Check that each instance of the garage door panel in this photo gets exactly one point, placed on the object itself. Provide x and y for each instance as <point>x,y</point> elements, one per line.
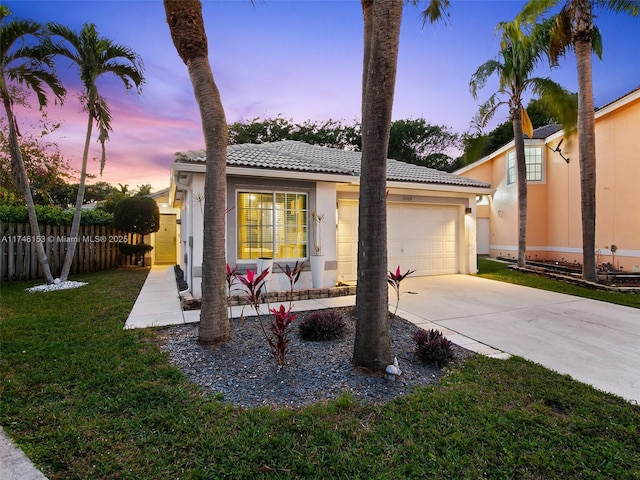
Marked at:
<point>419,237</point>
<point>429,238</point>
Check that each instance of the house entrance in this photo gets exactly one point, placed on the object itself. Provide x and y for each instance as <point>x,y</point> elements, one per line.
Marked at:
<point>165,247</point>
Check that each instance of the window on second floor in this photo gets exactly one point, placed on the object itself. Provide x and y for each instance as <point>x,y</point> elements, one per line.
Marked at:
<point>272,225</point>
<point>533,159</point>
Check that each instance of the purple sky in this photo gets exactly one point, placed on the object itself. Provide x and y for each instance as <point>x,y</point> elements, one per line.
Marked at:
<point>299,59</point>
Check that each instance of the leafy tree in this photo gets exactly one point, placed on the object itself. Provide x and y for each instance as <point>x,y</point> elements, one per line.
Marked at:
<point>143,190</point>
<point>521,49</point>
<point>31,66</point>
<point>330,133</point>
<point>188,34</point>
<point>411,141</point>
<point>420,143</point>
<point>575,29</point>
<point>94,56</point>
<point>45,166</point>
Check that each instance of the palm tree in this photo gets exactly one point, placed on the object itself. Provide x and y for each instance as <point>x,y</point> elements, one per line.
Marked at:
<point>382,19</point>
<point>187,31</point>
<point>31,66</point>
<point>94,57</point>
<point>372,346</point>
<point>575,29</point>
<point>521,48</point>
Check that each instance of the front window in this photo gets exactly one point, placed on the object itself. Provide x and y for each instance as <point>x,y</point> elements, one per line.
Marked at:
<point>272,225</point>
<point>533,160</point>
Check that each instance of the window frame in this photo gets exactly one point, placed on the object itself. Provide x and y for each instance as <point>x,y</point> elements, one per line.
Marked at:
<point>275,244</point>
<point>510,164</point>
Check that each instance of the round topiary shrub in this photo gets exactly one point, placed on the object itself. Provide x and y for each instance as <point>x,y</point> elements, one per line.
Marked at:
<point>137,215</point>
<point>433,347</point>
<point>322,325</point>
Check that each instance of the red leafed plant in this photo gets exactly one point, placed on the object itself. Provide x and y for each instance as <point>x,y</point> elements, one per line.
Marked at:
<point>232,276</point>
<point>279,341</point>
<point>394,280</point>
<point>255,287</point>
<point>293,274</point>
<point>280,328</point>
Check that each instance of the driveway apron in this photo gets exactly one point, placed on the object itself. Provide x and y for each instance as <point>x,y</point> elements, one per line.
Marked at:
<point>595,342</point>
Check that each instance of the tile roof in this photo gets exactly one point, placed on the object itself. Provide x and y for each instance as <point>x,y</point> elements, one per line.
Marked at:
<point>543,132</point>
<point>298,156</point>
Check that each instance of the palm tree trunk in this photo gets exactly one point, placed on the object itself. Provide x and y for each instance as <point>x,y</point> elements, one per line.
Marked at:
<point>586,137</point>
<point>75,223</point>
<point>23,182</point>
<point>367,14</point>
<point>372,345</point>
<point>214,323</point>
<point>187,31</point>
<point>521,172</point>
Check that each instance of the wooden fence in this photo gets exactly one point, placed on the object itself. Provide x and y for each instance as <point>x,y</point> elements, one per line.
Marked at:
<point>96,250</point>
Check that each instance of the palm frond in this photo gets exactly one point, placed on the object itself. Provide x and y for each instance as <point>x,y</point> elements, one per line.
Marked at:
<point>488,109</point>
<point>26,62</point>
<point>631,7</point>
<point>482,74</point>
<point>562,104</point>
<point>436,10</point>
<point>534,9</point>
<point>102,115</point>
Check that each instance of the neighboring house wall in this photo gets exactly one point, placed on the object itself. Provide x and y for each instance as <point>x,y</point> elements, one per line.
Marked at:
<point>554,229</point>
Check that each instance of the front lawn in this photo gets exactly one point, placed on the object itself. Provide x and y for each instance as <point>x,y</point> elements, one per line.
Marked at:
<point>500,271</point>
<point>86,399</point>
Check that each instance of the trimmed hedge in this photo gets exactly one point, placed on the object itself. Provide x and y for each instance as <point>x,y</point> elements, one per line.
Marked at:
<point>54,215</point>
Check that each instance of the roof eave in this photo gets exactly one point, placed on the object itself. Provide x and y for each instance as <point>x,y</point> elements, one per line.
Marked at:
<point>331,177</point>
<point>439,187</point>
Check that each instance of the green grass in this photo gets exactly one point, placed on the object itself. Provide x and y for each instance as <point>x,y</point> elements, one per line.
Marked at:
<point>500,271</point>
<point>87,400</point>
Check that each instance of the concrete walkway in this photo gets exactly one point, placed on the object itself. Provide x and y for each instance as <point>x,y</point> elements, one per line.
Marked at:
<point>14,464</point>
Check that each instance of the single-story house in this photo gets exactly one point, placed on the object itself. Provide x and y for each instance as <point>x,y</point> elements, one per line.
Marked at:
<point>554,228</point>
<point>273,190</point>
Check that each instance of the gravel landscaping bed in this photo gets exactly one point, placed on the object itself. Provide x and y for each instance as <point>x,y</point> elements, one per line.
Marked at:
<point>243,371</point>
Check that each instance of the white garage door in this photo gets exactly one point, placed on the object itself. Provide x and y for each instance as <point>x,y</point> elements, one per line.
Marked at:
<point>419,237</point>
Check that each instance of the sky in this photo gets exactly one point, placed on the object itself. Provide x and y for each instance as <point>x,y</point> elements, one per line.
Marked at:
<point>300,59</point>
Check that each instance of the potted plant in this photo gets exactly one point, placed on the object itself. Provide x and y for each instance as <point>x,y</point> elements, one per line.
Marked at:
<point>317,259</point>
<point>262,264</point>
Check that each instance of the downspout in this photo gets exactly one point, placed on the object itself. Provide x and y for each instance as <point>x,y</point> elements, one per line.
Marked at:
<point>189,239</point>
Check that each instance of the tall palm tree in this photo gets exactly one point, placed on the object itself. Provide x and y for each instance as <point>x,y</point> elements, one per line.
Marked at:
<point>575,29</point>
<point>372,346</point>
<point>382,19</point>
<point>521,49</point>
<point>187,31</point>
<point>94,56</point>
<point>29,65</point>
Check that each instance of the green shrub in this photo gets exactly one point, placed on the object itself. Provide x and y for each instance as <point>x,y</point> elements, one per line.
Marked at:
<point>322,325</point>
<point>137,215</point>
<point>433,347</point>
<point>48,215</point>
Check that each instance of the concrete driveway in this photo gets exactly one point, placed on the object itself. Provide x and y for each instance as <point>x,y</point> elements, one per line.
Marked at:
<point>595,342</point>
